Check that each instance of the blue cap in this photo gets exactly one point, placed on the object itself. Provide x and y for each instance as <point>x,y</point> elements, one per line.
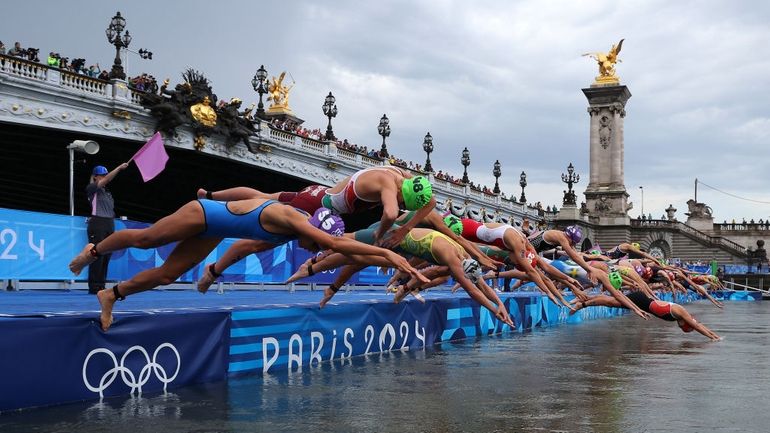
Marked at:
<point>99,170</point>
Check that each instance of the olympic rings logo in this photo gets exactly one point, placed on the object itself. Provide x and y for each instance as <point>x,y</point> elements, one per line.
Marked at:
<point>135,382</point>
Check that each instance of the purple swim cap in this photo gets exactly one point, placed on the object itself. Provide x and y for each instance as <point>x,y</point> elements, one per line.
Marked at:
<point>324,220</point>
<point>574,233</point>
<point>639,269</point>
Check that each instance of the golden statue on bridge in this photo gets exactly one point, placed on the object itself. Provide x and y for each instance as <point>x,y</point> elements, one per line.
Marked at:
<point>278,93</point>
<point>607,64</point>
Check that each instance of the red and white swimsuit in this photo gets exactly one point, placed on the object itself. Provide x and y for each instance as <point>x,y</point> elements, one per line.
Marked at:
<point>347,200</point>
<point>478,232</point>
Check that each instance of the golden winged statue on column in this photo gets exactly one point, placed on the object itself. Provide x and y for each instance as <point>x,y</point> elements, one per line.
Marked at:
<point>607,64</point>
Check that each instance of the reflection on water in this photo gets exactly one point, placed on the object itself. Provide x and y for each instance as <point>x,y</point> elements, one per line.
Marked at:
<point>614,375</point>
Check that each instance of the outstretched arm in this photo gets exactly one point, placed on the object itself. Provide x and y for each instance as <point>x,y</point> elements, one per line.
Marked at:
<point>396,236</point>
<point>457,273</point>
<point>438,224</point>
<point>524,264</point>
<point>628,248</point>
<point>492,296</point>
<point>298,224</point>
<point>593,273</point>
<point>700,289</point>
<point>623,299</point>
<point>682,314</point>
<point>111,175</point>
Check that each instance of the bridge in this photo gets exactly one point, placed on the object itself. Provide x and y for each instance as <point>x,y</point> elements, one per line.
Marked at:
<point>42,109</point>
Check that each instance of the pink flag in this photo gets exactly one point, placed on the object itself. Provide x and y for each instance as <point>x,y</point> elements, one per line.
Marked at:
<point>151,158</point>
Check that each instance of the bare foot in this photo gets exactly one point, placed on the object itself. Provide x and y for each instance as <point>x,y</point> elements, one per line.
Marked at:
<point>301,273</point>
<point>107,300</point>
<point>417,295</point>
<point>328,295</point>
<point>400,294</point>
<point>206,280</point>
<point>579,306</point>
<point>201,193</point>
<point>82,260</point>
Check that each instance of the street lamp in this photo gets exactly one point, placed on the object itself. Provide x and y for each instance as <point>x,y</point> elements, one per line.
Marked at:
<point>86,146</point>
<point>142,53</point>
<point>570,179</point>
<point>259,83</point>
<point>113,32</point>
<point>496,173</point>
<point>465,160</point>
<point>522,184</point>
<point>145,54</point>
<point>384,129</point>
<point>641,188</point>
<point>330,110</point>
<point>427,146</point>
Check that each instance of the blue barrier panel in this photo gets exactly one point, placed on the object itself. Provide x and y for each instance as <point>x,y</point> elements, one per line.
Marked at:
<point>63,359</point>
<point>737,295</point>
<point>39,246</point>
<point>271,340</point>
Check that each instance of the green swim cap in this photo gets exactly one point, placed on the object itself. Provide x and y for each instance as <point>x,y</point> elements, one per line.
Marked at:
<point>417,192</point>
<point>616,280</point>
<point>454,224</point>
<point>636,245</point>
<point>595,252</point>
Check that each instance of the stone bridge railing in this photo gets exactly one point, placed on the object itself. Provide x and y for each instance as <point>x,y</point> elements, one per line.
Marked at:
<point>705,238</point>
<point>43,96</point>
<point>742,227</point>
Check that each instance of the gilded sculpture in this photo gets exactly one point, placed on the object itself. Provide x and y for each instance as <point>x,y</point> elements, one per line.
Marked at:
<point>203,113</point>
<point>278,94</point>
<point>607,64</point>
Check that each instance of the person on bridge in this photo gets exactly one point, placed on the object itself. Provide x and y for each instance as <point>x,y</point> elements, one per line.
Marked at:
<point>668,311</point>
<point>391,187</point>
<point>200,225</point>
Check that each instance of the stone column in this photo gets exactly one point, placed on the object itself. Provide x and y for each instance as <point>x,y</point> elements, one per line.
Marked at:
<point>606,196</point>
<point>594,151</point>
<point>617,147</point>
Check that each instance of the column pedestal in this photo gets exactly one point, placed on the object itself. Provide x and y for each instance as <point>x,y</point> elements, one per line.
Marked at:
<point>606,196</point>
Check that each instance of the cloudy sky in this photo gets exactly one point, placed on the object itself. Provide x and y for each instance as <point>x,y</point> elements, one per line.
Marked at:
<point>500,77</point>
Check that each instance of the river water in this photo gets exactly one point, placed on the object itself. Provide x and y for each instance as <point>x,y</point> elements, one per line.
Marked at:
<point>609,375</point>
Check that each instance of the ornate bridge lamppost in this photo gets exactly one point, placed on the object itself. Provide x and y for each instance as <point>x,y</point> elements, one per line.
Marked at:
<point>522,184</point>
<point>114,36</point>
<point>384,130</point>
<point>465,160</point>
<point>145,54</point>
<point>427,146</point>
<point>571,178</point>
<point>259,83</point>
<point>330,110</point>
<point>496,172</point>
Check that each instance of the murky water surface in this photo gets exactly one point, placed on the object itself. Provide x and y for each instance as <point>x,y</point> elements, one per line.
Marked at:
<point>613,375</point>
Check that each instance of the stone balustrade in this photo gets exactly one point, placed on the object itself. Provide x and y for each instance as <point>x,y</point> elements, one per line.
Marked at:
<point>743,227</point>
<point>318,159</point>
<point>695,233</point>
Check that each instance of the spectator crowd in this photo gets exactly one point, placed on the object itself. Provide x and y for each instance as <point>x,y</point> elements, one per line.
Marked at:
<point>148,83</point>
<point>142,82</point>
